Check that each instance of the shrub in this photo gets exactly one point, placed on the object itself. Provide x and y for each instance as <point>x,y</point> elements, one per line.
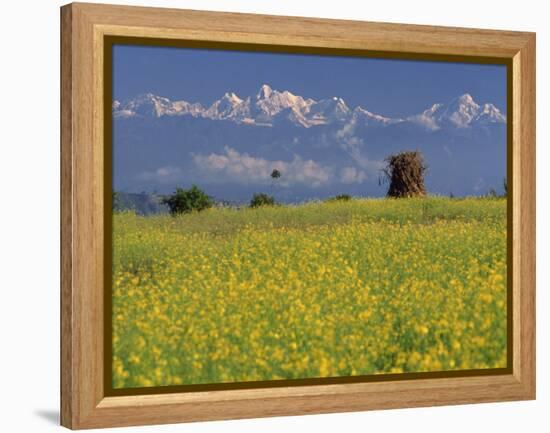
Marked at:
<point>188,200</point>
<point>115,203</point>
<point>492,193</point>
<point>262,200</point>
<point>341,197</point>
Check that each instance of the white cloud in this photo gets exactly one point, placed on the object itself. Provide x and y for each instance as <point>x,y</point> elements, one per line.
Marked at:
<point>354,146</point>
<point>371,166</point>
<point>166,174</point>
<point>346,131</point>
<point>243,168</point>
<point>425,120</point>
<point>352,175</point>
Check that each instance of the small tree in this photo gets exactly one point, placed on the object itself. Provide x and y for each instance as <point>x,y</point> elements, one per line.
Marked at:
<point>275,174</point>
<point>115,204</point>
<point>405,171</point>
<point>262,200</point>
<point>188,200</point>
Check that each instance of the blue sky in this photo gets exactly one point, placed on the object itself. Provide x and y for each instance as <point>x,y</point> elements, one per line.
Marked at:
<point>388,87</point>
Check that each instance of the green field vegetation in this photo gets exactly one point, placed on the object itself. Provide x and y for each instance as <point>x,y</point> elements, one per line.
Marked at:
<point>315,290</point>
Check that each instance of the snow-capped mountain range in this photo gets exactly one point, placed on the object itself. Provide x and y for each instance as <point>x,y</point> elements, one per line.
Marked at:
<point>269,107</point>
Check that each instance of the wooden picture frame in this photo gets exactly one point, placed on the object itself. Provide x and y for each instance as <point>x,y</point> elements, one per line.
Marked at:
<point>84,29</point>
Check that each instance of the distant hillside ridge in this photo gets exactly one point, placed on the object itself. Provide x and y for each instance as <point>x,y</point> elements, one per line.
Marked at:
<point>141,203</point>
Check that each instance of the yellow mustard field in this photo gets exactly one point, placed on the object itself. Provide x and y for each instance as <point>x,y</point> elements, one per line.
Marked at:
<point>317,290</point>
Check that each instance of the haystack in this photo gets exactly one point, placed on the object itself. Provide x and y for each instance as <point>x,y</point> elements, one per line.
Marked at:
<point>405,172</point>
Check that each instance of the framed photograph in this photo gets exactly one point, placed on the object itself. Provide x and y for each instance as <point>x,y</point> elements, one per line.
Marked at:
<point>265,215</point>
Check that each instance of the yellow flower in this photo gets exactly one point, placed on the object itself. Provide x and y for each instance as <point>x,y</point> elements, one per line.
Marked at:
<point>362,287</point>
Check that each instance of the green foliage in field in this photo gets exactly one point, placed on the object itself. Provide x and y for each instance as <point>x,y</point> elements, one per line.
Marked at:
<point>262,199</point>
<point>188,200</point>
<point>340,197</point>
<point>324,289</point>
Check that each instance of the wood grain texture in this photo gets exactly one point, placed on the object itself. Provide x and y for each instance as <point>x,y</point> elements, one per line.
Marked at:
<point>83,404</point>
<point>67,386</point>
<point>524,107</point>
<point>309,32</point>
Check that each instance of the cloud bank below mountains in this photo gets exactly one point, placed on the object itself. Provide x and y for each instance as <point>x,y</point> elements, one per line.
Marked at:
<point>246,169</point>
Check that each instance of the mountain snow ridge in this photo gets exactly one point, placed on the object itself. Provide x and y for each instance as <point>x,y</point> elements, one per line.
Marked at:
<point>270,106</point>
